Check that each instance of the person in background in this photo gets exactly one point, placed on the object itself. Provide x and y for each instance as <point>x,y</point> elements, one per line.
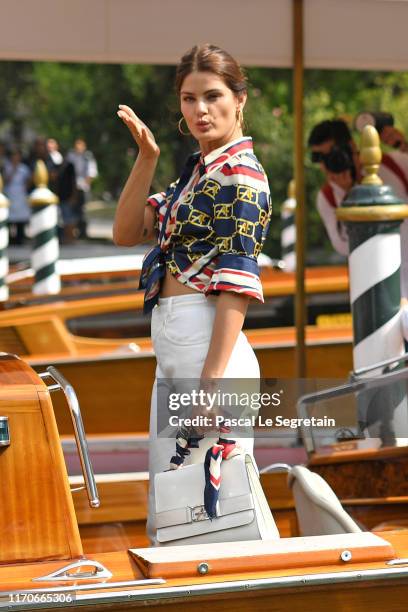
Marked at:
<point>53,162</point>
<point>86,170</point>
<point>340,173</point>
<point>67,194</point>
<point>393,171</point>
<point>332,146</point>
<point>39,151</point>
<point>17,177</point>
<point>54,152</point>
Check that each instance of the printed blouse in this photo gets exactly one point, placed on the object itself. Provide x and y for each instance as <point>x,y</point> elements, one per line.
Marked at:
<point>211,224</point>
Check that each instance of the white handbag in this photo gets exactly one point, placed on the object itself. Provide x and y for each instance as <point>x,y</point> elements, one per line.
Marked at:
<point>242,509</point>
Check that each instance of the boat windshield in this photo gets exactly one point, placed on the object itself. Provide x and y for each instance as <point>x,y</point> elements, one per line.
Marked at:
<point>368,411</point>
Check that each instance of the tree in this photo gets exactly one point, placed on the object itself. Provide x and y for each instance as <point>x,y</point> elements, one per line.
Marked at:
<point>67,100</point>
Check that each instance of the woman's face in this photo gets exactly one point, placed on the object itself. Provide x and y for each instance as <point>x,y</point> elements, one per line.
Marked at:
<point>209,108</point>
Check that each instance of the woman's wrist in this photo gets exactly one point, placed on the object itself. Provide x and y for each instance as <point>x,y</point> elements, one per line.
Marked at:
<point>148,158</point>
<point>208,374</point>
<point>144,169</point>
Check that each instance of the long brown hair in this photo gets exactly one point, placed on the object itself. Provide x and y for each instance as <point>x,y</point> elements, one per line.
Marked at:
<point>210,58</point>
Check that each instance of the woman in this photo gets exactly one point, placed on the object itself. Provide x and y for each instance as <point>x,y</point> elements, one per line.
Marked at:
<point>211,223</point>
<point>16,179</point>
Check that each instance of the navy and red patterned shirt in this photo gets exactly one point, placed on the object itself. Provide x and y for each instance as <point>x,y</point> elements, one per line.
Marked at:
<point>211,225</point>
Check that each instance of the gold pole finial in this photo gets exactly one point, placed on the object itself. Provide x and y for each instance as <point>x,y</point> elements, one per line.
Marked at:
<point>292,189</point>
<point>370,155</point>
<point>41,195</point>
<point>40,174</point>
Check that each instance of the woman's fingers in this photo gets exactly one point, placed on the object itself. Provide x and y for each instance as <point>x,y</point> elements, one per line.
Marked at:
<point>128,110</point>
<point>130,122</point>
<point>140,132</point>
<point>128,118</point>
<point>131,116</point>
<point>144,134</point>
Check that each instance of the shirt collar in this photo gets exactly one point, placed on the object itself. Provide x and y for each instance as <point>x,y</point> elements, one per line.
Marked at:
<point>222,154</point>
<point>338,191</point>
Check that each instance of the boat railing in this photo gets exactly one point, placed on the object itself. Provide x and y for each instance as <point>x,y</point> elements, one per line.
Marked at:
<point>73,404</point>
<point>385,366</point>
<point>370,378</point>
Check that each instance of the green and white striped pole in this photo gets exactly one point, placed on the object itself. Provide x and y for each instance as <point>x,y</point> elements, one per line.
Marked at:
<point>44,234</point>
<point>373,215</point>
<point>288,236</point>
<point>4,240</point>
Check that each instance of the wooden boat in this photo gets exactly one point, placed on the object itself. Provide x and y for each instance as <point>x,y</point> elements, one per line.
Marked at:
<point>79,270</point>
<point>133,424</point>
<point>54,327</point>
<point>365,472</point>
<point>42,333</point>
<point>128,378</point>
<point>84,277</point>
<point>108,269</point>
<point>371,482</point>
<point>45,562</point>
<point>43,330</point>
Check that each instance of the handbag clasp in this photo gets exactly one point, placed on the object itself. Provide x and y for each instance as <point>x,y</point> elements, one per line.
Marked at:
<point>199,513</point>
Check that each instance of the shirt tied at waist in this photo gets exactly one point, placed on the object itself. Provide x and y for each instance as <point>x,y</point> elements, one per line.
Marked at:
<point>153,271</point>
<point>154,263</point>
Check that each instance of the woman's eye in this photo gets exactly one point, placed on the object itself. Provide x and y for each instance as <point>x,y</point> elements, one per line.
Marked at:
<point>213,96</point>
<point>188,99</point>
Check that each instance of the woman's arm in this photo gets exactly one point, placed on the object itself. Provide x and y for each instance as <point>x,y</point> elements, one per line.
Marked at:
<point>134,221</point>
<point>229,318</point>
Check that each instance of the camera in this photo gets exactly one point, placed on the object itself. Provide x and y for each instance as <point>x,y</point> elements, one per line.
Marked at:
<point>339,160</point>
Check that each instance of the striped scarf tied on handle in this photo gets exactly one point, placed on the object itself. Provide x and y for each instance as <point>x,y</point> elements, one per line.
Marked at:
<point>224,448</point>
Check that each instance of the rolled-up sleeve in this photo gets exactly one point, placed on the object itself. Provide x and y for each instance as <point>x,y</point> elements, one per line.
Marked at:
<point>157,199</point>
<point>241,220</point>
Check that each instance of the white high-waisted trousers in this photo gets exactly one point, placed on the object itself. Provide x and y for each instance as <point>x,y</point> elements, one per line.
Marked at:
<point>181,331</point>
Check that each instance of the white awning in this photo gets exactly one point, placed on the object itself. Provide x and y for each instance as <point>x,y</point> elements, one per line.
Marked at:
<point>360,34</point>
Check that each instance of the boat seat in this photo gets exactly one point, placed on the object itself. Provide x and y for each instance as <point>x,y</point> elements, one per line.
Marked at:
<point>318,508</point>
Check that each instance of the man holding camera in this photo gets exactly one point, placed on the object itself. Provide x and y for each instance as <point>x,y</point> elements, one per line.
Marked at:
<point>332,146</point>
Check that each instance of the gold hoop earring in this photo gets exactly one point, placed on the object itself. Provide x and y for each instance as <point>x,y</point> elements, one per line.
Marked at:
<point>239,115</point>
<point>180,129</point>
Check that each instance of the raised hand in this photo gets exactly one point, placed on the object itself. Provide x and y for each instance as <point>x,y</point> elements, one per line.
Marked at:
<point>142,135</point>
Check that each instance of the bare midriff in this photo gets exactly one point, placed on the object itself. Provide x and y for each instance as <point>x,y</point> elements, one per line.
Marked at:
<point>171,286</point>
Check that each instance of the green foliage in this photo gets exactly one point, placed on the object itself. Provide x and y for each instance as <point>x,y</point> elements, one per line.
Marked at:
<point>67,100</point>
<point>15,81</point>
